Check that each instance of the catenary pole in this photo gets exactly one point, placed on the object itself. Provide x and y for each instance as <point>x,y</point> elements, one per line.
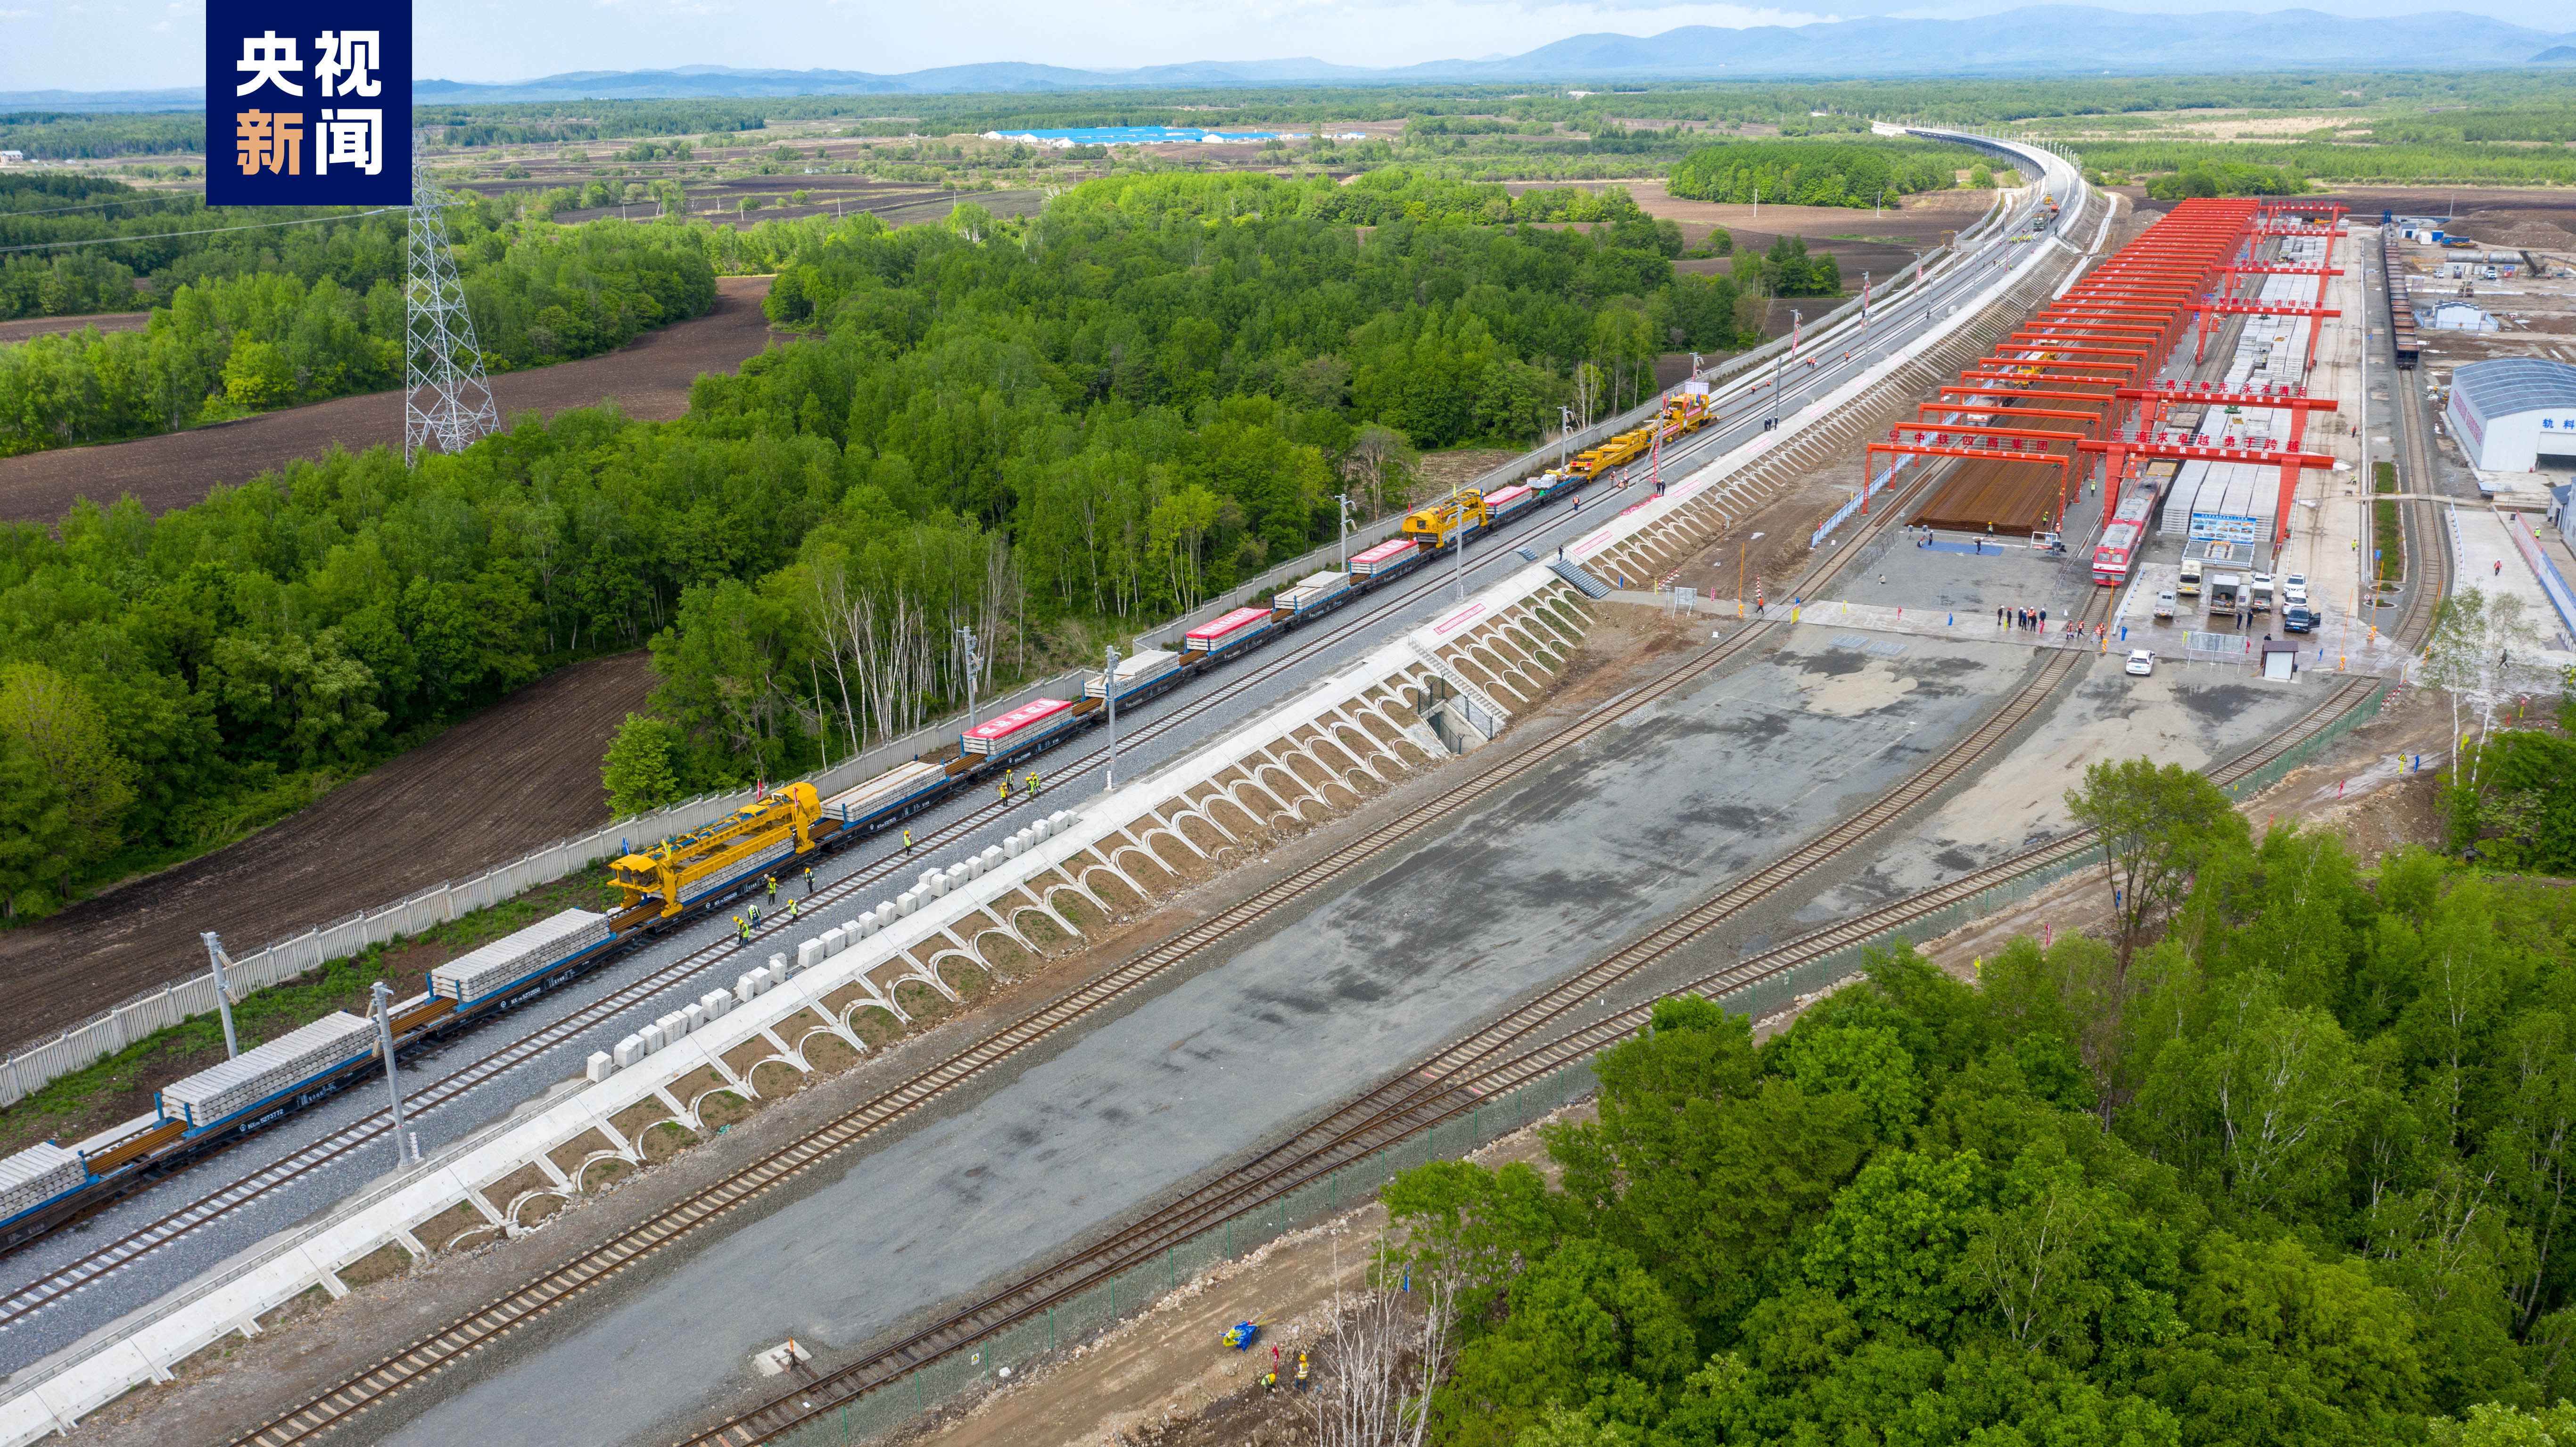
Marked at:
<point>405,1153</point>
<point>223,992</point>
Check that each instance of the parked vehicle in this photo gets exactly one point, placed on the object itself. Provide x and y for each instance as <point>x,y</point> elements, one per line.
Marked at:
<point>2165,603</point>
<point>2298,618</point>
<point>2142,662</point>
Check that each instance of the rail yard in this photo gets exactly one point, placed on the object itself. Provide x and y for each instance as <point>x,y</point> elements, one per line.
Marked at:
<point>1757,782</point>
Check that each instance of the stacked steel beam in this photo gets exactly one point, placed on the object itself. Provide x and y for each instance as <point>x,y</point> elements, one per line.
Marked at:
<point>2020,415</point>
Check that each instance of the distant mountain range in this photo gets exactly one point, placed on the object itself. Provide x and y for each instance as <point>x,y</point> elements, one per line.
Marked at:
<point>2037,40</point>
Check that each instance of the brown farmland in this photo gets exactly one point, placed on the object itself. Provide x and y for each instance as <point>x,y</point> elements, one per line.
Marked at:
<point>521,774</point>
<point>25,327</point>
<point>649,379</point>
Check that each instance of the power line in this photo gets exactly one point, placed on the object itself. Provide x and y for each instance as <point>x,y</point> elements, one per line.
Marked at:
<point>205,231</point>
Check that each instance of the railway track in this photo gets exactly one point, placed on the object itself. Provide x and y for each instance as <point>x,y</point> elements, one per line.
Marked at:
<point>24,1302</point>
<point>505,1313</point>
<point>1755,486</point>
<point>1444,1086</point>
<point>516,1308</point>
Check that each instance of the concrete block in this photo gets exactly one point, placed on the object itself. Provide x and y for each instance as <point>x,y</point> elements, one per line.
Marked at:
<point>992,857</point>
<point>972,867</point>
<point>885,913</point>
<point>1012,846</point>
<point>778,971</point>
<point>922,885</point>
<point>866,926</point>
<point>776,1360</point>
<point>675,1026</point>
<point>696,1016</point>
<point>906,902</point>
<point>600,1066</point>
<point>835,940</point>
<point>939,885</point>
<point>746,989</point>
<point>630,1050</point>
<point>654,1038</point>
<point>809,953</point>
<point>717,1003</point>
<point>1059,821</point>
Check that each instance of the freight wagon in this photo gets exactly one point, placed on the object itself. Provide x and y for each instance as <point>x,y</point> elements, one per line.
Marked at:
<point>1023,731</point>
<point>1227,636</point>
<point>1316,593</point>
<point>1151,673</point>
<point>684,878</point>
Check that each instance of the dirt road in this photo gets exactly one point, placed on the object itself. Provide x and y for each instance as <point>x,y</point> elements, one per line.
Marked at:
<point>649,378</point>
<point>521,774</point>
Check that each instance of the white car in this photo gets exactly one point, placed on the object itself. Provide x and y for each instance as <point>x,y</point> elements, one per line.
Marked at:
<point>2142,661</point>
<point>2294,588</point>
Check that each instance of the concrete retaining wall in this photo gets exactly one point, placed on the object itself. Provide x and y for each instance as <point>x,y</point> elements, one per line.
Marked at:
<point>1349,737</point>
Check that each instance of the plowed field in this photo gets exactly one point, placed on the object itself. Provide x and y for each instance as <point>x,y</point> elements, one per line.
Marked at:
<point>521,774</point>
<point>25,327</point>
<point>650,379</point>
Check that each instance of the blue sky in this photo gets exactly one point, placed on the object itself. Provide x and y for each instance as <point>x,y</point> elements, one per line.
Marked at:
<point>148,44</point>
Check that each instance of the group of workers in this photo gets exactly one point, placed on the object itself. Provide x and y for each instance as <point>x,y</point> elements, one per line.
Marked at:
<point>745,924</point>
<point>1270,1378</point>
<point>748,921</point>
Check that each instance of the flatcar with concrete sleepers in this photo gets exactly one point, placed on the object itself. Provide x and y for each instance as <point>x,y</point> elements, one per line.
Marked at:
<point>681,880</point>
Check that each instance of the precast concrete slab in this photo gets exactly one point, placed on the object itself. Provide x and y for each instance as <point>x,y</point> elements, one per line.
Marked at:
<point>1414,949</point>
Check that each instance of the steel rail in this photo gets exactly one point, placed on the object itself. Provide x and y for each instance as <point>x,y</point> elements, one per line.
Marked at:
<point>25,1301</point>
<point>433,1353</point>
<point>1425,1095</point>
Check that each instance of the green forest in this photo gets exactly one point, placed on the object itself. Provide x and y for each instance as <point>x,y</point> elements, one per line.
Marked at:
<point>2345,162</point>
<point>1051,431</point>
<point>306,313</point>
<point>1861,173</point>
<point>2283,1163</point>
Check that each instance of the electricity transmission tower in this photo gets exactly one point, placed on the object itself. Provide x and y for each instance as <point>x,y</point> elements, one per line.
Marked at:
<point>446,403</point>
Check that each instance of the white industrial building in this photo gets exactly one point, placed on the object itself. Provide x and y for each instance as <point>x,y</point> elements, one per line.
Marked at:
<point>2456,316</point>
<point>2510,412</point>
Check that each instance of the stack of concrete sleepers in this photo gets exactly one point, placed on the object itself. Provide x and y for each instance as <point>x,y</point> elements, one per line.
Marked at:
<point>1147,666</point>
<point>254,1075</point>
<point>1382,557</point>
<point>36,1175</point>
<point>515,956</point>
<point>1316,589</point>
<point>892,787</point>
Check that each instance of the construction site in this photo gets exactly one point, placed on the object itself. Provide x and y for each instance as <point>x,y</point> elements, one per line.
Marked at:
<point>1065,1117</point>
